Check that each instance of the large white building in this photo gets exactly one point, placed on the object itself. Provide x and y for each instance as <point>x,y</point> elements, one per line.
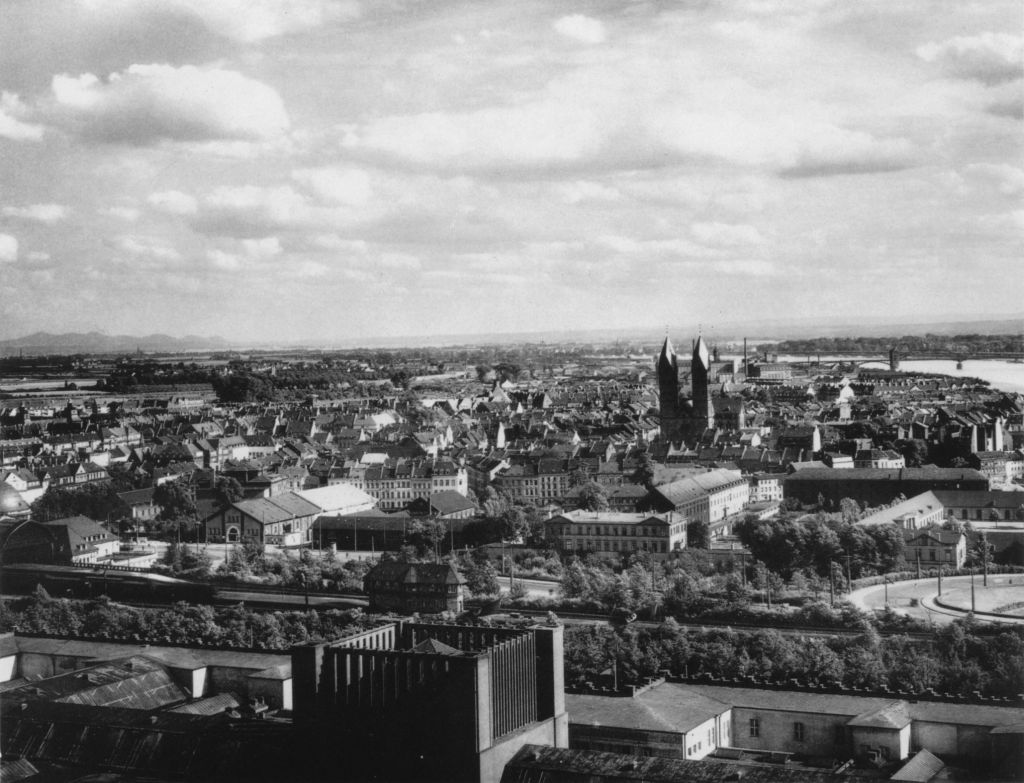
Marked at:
<point>616,531</point>
<point>704,497</point>
<point>920,511</point>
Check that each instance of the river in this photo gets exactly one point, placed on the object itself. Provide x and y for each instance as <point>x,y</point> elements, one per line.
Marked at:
<point>1002,374</point>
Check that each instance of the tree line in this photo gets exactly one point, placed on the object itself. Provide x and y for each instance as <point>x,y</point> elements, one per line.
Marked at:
<point>181,624</point>
<point>960,660</point>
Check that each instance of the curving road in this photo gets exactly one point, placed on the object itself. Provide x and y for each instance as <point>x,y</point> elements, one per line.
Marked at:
<point>916,598</point>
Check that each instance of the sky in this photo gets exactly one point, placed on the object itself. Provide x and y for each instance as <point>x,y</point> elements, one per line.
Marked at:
<point>346,169</point>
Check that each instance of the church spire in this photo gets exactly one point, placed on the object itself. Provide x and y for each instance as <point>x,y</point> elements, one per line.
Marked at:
<point>667,357</point>
<point>701,353</point>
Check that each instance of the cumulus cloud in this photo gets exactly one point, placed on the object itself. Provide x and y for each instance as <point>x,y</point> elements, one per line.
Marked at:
<point>1011,108</point>
<point>8,248</point>
<point>335,242</point>
<point>1006,223</point>
<point>396,260</point>
<point>262,248</point>
<point>38,213</point>
<point>1008,180</point>
<point>528,136</point>
<point>990,58</point>
<point>580,191</point>
<point>341,186</point>
<point>224,260</point>
<point>596,119</point>
<point>829,150</point>
<point>725,234</point>
<point>245,253</point>
<point>11,126</point>
<point>144,247</point>
<point>149,103</point>
<point>173,202</point>
<point>581,28</point>
<point>250,210</point>
<point>128,214</point>
<point>246,21</point>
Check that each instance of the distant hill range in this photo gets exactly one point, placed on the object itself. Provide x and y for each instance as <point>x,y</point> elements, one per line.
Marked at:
<point>803,329</point>
<point>97,342</point>
<point>766,330</point>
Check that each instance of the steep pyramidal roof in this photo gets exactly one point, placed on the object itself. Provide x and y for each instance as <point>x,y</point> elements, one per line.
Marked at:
<point>431,645</point>
<point>667,357</point>
<point>701,353</point>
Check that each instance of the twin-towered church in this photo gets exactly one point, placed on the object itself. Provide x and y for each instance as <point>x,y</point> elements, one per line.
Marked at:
<point>685,418</point>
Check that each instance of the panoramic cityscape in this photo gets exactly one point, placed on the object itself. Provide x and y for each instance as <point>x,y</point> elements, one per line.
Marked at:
<point>511,392</point>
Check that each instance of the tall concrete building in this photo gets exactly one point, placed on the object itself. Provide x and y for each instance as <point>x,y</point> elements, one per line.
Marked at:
<point>422,701</point>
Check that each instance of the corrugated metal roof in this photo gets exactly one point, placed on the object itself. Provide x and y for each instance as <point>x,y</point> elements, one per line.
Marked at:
<point>212,705</point>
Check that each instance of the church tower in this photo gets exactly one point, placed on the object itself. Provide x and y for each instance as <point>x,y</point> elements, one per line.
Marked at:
<point>700,373</point>
<point>667,368</point>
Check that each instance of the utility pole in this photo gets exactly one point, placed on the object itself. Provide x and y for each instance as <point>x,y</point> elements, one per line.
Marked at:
<point>972,589</point>
<point>984,557</point>
<point>831,583</point>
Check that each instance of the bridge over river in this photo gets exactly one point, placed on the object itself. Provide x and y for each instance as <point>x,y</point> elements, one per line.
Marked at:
<point>895,355</point>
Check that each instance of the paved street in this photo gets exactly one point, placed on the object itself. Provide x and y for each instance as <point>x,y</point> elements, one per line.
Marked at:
<point>902,596</point>
<point>535,588</point>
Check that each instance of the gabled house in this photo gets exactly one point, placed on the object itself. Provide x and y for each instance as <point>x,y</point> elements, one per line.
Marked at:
<point>934,546</point>
<point>281,520</point>
<point>414,587</point>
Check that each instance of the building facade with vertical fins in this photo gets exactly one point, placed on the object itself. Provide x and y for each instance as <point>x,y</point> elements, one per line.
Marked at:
<point>425,701</point>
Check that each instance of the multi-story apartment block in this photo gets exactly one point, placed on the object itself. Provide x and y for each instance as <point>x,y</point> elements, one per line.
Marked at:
<point>396,484</point>
<point>614,531</point>
<point>766,487</point>
<point>542,481</point>
<point>73,473</point>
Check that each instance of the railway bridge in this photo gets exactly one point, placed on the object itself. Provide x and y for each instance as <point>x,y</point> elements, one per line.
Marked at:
<point>898,353</point>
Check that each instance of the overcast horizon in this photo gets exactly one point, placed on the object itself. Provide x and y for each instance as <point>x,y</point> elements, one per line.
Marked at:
<point>343,171</point>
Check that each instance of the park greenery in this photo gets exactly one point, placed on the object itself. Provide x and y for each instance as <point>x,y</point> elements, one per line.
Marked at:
<point>180,624</point>
<point>815,543</point>
<point>959,660</point>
